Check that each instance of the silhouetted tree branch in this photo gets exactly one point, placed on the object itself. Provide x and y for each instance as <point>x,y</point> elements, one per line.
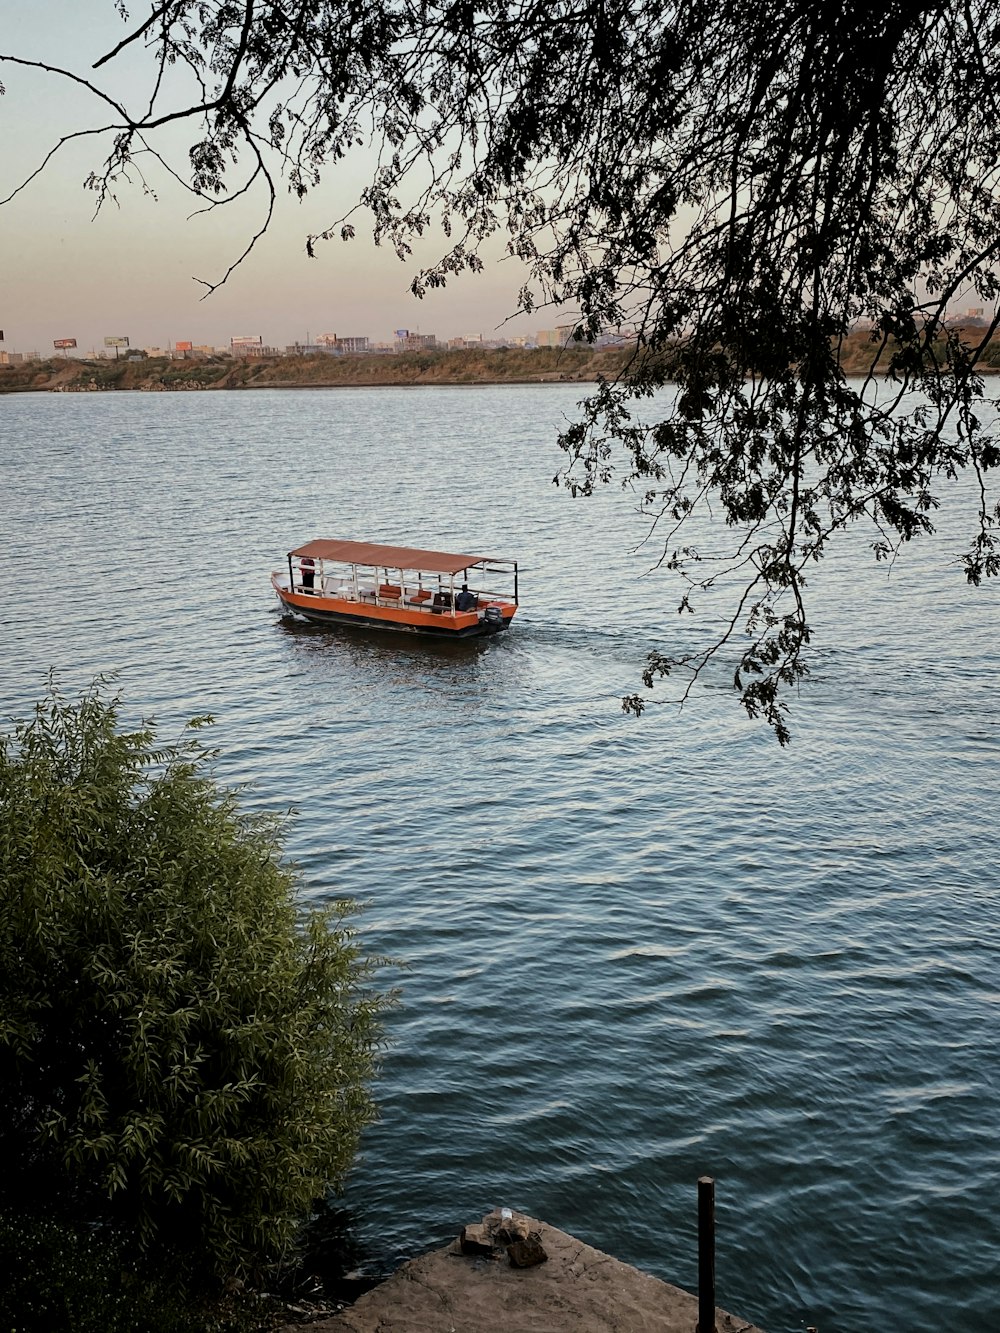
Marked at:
<point>742,184</point>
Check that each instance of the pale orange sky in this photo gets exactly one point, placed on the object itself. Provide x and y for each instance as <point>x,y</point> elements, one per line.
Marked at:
<point>129,271</point>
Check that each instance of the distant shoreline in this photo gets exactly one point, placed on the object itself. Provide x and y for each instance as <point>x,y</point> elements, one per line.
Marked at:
<point>458,369</point>
<point>543,381</point>
<point>470,368</point>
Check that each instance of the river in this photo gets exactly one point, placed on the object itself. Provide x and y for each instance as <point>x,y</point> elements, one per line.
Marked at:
<point>636,951</point>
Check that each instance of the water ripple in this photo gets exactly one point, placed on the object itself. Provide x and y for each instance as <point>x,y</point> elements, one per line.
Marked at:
<point>634,952</point>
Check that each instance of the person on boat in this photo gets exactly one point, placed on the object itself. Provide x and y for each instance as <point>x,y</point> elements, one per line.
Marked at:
<point>308,567</point>
<point>466,601</point>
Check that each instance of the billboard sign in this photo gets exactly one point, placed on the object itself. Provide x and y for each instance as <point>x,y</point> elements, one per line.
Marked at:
<point>247,342</point>
<point>60,343</point>
<point>183,347</point>
<point>402,333</point>
<point>115,342</point>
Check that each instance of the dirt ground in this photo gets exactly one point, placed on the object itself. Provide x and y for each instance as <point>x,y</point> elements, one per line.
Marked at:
<point>576,1289</point>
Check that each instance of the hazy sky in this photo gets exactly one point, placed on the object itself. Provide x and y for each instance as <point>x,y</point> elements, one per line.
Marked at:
<point>129,271</point>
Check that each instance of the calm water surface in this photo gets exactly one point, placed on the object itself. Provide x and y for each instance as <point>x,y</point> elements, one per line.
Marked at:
<point>637,951</point>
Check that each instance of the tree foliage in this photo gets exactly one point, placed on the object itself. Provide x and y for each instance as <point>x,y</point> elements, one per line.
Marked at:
<point>182,1053</point>
<point>58,1273</point>
<point>741,184</point>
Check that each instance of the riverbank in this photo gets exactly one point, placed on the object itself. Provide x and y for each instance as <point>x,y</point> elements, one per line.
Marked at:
<point>537,1279</point>
<point>163,374</point>
<point>509,365</point>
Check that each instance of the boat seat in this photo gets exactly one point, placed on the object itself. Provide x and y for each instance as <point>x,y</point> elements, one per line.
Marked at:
<point>423,595</point>
<point>389,592</point>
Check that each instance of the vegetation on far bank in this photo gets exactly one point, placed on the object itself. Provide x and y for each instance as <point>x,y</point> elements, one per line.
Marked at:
<point>502,365</point>
<point>511,365</point>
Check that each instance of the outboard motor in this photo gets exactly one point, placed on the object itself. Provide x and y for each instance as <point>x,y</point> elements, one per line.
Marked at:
<point>493,618</point>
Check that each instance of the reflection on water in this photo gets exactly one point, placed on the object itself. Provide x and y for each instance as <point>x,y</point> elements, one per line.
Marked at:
<point>385,648</point>
<point>403,668</point>
<point>637,951</point>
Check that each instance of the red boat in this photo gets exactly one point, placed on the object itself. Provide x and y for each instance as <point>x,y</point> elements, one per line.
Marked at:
<point>398,588</point>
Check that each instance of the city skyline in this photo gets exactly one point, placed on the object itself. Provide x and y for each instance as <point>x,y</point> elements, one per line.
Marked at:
<point>105,345</point>
<point>133,269</point>
<point>113,346</point>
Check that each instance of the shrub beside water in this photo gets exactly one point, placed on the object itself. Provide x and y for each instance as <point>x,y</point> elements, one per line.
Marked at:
<point>185,1055</point>
<point>58,1277</point>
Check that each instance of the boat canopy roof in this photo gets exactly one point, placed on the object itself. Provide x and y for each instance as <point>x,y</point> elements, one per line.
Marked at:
<point>391,557</point>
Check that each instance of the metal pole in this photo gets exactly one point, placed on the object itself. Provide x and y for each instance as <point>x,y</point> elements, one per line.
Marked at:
<point>706,1255</point>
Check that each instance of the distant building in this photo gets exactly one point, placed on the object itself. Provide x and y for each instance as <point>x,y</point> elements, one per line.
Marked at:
<point>560,336</point>
<point>250,347</point>
<point>187,351</point>
<point>12,358</point>
<point>477,343</point>
<point>414,342</point>
<point>620,339</point>
<point>352,346</point>
<point>329,344</point>
<point>972,318</point>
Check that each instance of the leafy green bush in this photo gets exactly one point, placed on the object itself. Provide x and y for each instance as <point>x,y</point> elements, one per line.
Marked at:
<point>195,372</point>
<point>105,375</point>
<point>55,1276</point>
<point>183,1053</point>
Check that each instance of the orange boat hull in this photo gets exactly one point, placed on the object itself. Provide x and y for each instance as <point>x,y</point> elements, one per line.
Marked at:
<point>414,619</point>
